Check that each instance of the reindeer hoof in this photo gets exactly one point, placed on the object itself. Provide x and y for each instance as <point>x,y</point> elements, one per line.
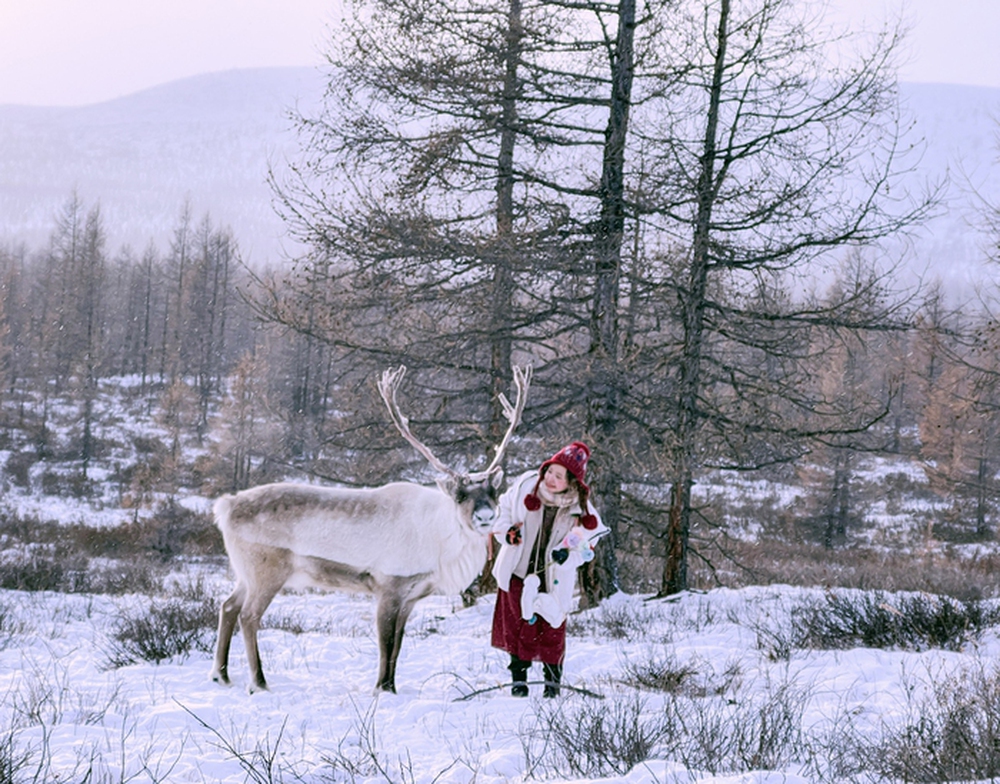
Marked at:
<point>220,678</point>
<point>253,688</point>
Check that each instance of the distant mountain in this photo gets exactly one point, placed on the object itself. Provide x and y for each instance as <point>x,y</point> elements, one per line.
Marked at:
<point>959,129</point>
<point>212,137</point>
<point>208,138</point>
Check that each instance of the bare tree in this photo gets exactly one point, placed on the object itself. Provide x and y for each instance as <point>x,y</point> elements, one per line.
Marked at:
<point>90,325</point>
<point>442,215</point>
<point>768,157</point>
<point>623,194</point>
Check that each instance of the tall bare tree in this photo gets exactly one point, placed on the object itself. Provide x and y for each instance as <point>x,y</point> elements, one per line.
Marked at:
<point>769,156</point>
<point>619,193</point>
<point>446,205</point>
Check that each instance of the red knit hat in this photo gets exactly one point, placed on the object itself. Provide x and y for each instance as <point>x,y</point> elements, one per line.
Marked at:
<point>574,459</point>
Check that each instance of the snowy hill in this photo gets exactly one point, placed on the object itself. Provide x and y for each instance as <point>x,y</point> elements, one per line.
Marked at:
<point>212,137</point>
<point>959,127</point>
<point>209,138</point>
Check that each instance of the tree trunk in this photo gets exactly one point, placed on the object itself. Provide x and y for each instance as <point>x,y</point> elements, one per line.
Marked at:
<point>503,283</point>
<point>982,503</point>
<point>602,578</point>
<point>693,298</point>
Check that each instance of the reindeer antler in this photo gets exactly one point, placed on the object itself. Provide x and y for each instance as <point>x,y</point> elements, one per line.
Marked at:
<point>522,380</point>
<point>389,383</point>
<point>387,386</point>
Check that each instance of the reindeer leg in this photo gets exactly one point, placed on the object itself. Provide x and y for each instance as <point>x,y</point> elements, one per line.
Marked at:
<point>395,603</point>
<point>250,623</point>
<point>228,614</point>
<point>386,623</point>
<point>402,618</point>
<point>253,610</point>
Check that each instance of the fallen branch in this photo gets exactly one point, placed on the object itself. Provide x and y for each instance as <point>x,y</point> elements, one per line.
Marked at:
<point>577,689</point>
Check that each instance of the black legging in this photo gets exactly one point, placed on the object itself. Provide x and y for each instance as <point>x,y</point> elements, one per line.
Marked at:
<point>519,671</point>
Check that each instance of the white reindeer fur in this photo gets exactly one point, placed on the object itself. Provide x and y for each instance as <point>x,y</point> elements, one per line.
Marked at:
<point>400,542</point>
<point>399,529</point>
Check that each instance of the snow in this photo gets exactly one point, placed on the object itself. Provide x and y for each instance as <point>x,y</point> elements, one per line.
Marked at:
<point>321,721</point>
<point>73,716</point>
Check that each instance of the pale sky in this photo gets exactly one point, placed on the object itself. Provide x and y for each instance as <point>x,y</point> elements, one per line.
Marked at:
<point>74,52</point>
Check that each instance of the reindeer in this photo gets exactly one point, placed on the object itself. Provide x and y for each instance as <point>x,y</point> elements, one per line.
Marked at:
<point>400,542</point>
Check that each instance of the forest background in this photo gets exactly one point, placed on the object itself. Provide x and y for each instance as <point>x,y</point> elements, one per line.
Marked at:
<point>678,214</point>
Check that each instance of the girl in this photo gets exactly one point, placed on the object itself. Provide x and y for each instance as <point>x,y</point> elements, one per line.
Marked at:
<point>547,528</point>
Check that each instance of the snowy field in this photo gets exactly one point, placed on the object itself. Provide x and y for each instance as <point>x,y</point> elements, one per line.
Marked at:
<point>720,687</point>
<point>736,702</point>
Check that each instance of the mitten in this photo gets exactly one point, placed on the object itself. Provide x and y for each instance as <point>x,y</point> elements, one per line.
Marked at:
<point>514,534</point>
<point>560,555</point>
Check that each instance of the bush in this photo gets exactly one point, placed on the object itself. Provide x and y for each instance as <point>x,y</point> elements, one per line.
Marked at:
<point>74,557</point>
<point>42,571</point>
<point>876,620</point>
<point>14,761</point>
<point>10,628</point>
<point>619,621</point>
<point>774,561</point>
<point>599,738</point>
<point>175,530</point>
<point>163,631</point>
<point>951,735</point>
<point>661,672</point>
<point>737,732</point>
<point>18,467</point>
<point>127,575</point>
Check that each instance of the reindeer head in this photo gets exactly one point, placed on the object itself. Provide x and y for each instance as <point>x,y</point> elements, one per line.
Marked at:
<point>477,495</point>
<point>477,498</point>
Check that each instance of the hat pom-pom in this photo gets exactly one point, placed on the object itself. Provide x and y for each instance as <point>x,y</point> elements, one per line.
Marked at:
<point>532,502</point>
<point>588,521</point>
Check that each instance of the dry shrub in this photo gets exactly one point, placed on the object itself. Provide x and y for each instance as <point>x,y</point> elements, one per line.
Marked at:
<point>952,734</point>
<point>660,671</point>
<point>161,631</point>
<point>619,621</point>
<point>44,568</point>
<point>174,530</point>
<point>914,622</point>
<point>77,558</point>
<point>776,562</point>
<point>735,734</point>
<point>599,738</point>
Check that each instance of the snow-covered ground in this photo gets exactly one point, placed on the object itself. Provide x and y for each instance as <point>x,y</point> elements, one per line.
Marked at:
<point>68,716</point>
<point>705,687</point>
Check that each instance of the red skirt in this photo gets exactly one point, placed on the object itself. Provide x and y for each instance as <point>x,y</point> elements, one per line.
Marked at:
<point>528,641</point>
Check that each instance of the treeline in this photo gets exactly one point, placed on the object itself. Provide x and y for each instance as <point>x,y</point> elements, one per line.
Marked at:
<point>181,328</point>
<point>184,327</point>
<point>171,323</point>
<point>73,313</point>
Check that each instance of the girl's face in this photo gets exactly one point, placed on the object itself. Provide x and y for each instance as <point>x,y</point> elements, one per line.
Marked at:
<point>555,479</point>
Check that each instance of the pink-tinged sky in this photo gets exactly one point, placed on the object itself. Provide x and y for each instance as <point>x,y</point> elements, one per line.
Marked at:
<point>74,52</point>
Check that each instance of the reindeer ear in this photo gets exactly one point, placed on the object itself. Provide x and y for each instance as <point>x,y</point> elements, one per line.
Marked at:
<point>497,479</point>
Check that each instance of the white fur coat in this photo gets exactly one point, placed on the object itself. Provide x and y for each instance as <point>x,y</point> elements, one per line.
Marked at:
<point>560,579</point>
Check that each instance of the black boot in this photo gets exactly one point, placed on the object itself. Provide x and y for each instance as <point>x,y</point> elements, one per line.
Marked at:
<point>553,675</point>
<point>519,676</point>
